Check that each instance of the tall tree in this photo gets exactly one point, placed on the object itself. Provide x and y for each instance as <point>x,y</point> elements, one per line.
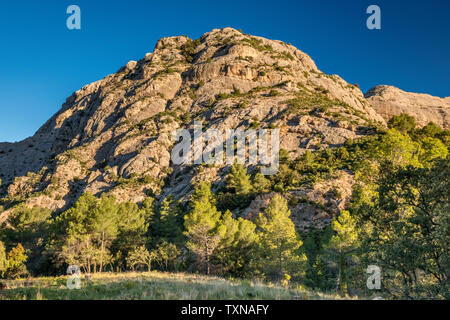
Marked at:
<point>105,226</point>
<point>132,228</point>
<point>235,248</point>
<point>406,225</point>
<point>278,238</point>
<point>167,228</point>
<point>3,259</point>
<point>30,228</point>
<point>82,233</point>
<point>342,244</point>
<point>203,230</point>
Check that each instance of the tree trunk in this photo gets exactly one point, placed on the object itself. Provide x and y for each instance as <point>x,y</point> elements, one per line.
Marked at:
<point>207,258</point>
<point>280,271</point>
<point>102,251</point>
<point>342,274</point>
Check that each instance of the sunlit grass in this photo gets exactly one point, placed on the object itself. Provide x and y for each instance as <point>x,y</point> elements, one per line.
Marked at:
<point>152,286</point>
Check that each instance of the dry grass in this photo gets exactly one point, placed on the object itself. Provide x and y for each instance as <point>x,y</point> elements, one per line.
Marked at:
<point>151,286</point>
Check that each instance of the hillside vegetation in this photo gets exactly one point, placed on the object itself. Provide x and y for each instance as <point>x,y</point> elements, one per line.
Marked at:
<point>95,186</point>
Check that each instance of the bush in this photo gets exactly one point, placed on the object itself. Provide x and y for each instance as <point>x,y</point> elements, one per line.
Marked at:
<point>403,123</point>
<point>16,263</point>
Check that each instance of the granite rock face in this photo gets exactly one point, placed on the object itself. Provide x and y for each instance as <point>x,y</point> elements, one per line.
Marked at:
<point>114,135</point>
<point>390,101</point>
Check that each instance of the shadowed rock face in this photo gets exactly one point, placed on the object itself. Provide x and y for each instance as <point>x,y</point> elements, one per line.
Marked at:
<point>389,101</point>
<point>114,135</point>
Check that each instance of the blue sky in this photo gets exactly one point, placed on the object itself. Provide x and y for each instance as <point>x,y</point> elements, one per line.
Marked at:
<point>42,62</point>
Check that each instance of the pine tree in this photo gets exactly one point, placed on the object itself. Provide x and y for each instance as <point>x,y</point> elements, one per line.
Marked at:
<point>239,180</point>
<point>87,229</point>
<point>343,243</point>
<point>278,238</point>
<point>261,184</point>
<point>3,259</point>
<point>403,123</point>
<point>16,262</point>
<point>132,229</point>
<point>167,227</point>
<point>203,193</point>
<point>234,250</point>
<point>105,227</point>
<point>203,230</point>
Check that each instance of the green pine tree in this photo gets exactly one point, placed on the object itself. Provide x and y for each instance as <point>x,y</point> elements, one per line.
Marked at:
<point>239,181</point>
<point>203,230</point>
<point>3,259</point>
<point>342,244</point>
<point>16,268</point>
<point>278,238</point>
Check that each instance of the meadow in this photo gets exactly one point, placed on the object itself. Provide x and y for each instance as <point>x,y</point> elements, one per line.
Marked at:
<point>152,286</point>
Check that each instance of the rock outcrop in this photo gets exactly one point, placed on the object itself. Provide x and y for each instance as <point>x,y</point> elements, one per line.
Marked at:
<point>114,136</point>
<point>390,101</point>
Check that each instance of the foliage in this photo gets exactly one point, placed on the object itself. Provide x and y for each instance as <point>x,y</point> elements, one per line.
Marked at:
<point>261,184</point>
<point>188,49</point>
<point>403,123</point>
<point>341,247</point>
<point>16,263</point>
<point>166,255</point>
<point>406,225</point>
<point>239,181</point>
<point>98,232</point>
<point>30,228</point>
<point>234,254</point>
<point>203,230</point>
<point>3,259</point>
<point>278,239</point>
<point>139,257</point>
<point>398,219</point>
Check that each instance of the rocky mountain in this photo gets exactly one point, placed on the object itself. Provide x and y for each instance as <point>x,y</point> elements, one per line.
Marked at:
<point>390,101</point>
<point>114,136</point>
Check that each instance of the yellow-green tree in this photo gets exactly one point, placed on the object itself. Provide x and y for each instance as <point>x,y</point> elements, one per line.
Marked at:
<point>261,184</point>
<point>3,259</point>
<point>16,268</point>
<point>239,180</point>
<point>166,255</point>
<point>278,240</point>
<point>397,148</point>
<point>234,254</point>
<point>405,227</point>
<point>203,229</point>
<point>140,257</point>
<point>431,149</point>
<point>343,243</point>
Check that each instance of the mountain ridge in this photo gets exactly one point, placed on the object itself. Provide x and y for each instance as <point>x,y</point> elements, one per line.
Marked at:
<point>113,136</point>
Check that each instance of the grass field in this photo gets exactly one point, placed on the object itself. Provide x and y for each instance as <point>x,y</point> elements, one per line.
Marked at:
<point>151,286</point>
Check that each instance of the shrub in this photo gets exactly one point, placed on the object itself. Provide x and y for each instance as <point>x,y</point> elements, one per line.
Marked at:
<point>16,263</point>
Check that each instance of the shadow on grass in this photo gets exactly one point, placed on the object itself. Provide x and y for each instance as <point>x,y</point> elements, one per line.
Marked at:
<point>151,286</point>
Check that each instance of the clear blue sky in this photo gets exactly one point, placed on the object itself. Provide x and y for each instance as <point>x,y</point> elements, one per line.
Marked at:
<point>42,62</point>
